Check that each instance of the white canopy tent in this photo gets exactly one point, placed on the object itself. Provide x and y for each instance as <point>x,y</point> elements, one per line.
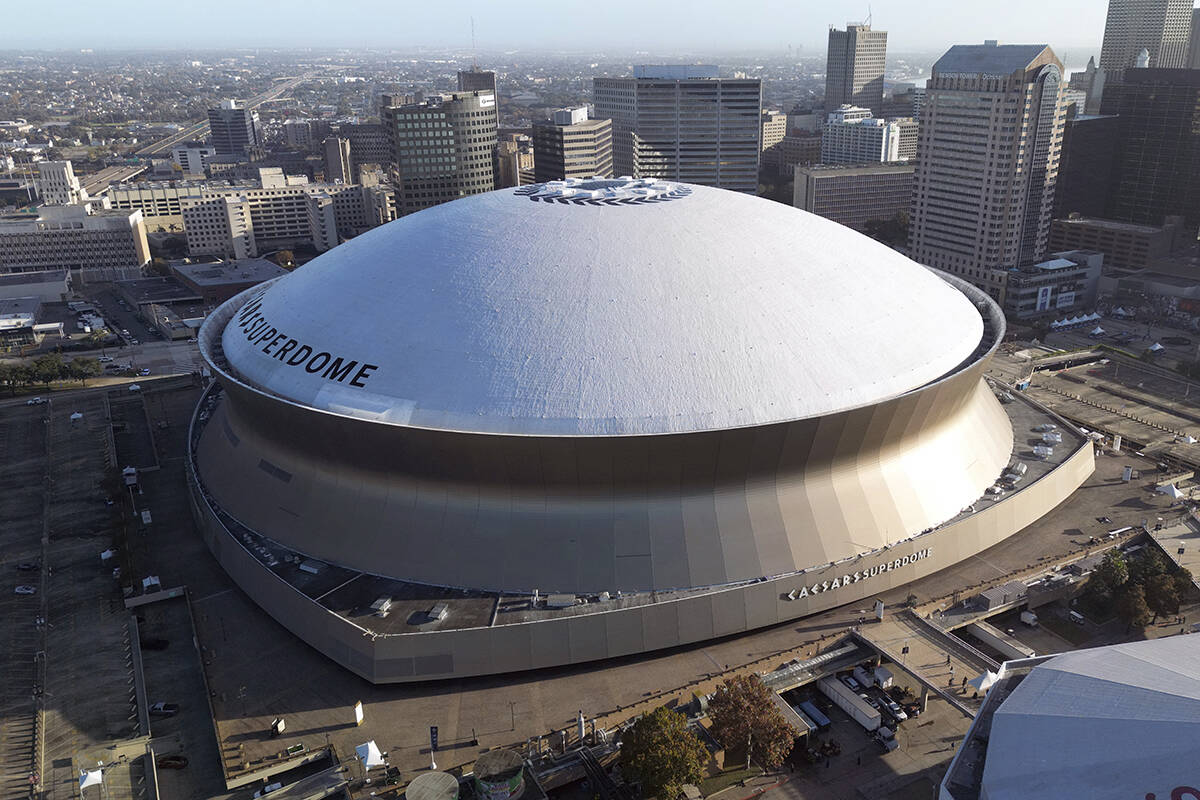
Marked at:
<point>1097,331</point>
<point>1171,491</point>
<point>1154,348</point>
<point>369,754</point>
<point>984,682</point>
<point>88,778</point>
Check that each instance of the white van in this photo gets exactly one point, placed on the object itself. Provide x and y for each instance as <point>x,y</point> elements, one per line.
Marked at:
<point>1076,617</point>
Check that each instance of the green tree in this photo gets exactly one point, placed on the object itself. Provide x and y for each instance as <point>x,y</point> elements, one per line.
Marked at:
<point>1182,578</point>
<point>1148,563</point>
<point>742,712</point>
<point>1132,607</point>
<point>1161,596</point>
<point>1111,574</point>
<point>48,368</point>
<point>285,259</point>
<point>83,368</point>
<point>661,753</point>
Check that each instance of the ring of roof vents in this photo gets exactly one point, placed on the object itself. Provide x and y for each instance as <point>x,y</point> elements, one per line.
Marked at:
<point>592,192</point>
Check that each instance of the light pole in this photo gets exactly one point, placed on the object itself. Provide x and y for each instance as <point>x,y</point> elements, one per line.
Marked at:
<point>512,710</point>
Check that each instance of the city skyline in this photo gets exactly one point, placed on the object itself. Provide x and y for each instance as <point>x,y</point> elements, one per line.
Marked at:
<point>665,26</point>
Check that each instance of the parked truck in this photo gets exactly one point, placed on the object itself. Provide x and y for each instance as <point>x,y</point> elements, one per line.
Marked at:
<point>845,699</point>
<point>1029,618</point>
<point>883,678</point>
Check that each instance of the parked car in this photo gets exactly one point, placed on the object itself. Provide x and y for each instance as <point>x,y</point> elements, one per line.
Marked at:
<point>854,685</point>
<point>144,371</point>
<point>164,709</point>
<point>171,762</point>
<point>25,589</point>
<point>266,790</point>
<point>35,401</point>
<point>105,359</point>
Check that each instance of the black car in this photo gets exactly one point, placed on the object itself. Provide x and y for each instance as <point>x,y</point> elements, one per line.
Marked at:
<point>28,566</point>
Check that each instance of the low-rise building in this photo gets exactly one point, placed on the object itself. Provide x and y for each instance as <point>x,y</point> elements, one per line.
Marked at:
<point>217,282</point>
<point>49,286</point>
<point>68,237</point>
<point>791,151</point>
<point>166,321</point>
<point>853,195</point>
<point>1125,245</point>
<point>164,291</point>
<point>1066,283</point>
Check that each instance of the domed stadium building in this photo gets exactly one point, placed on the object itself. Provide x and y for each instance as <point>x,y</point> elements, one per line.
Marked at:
<point>567,422</point>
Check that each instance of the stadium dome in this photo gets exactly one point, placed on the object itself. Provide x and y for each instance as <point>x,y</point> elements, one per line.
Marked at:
<point>603,307</point>
<point>681,412</point>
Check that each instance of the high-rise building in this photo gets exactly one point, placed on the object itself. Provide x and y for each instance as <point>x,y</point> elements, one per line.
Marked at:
<point>1193,58</point>
<point>853,136</point>
<point>854,195</point>
<point>1157,169</point>
<point>570,145</point>
<point>234,128</point>
<point>476,80</point>
<point>443,147</point>
<point>854,68</point>
<point>1160,26</point>
<point>1085,168</point>
<point>987,161</point>
<point>684,123</point>
<point>338,168</point>
<point>369,144</point>
<point>58,185</point>
<point>774,128</point>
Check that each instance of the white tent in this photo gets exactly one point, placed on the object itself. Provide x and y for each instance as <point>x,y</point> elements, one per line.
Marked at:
<point>984,682</point>
<point>1154,348</point>
<point>369,754</point>
<point>1097,331</point>
<point>1171,491</point>
<point>1190,439</point>
<point>88,778</point>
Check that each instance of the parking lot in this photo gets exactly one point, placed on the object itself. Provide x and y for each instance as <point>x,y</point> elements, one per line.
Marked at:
<point>861,767</point>
<point>22,484</point>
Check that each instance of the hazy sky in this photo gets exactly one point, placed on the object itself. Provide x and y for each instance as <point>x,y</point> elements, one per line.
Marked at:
<point>700,25</point>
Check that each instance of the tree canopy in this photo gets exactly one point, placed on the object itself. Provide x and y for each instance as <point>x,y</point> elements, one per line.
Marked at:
<point>660,752</point>
<point>742,711</point>
<point>1132,606</point>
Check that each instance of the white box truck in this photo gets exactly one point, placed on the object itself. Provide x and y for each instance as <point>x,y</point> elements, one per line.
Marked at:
<point>851,703</point>
<point>883,678</point>
<point>1029,618</point>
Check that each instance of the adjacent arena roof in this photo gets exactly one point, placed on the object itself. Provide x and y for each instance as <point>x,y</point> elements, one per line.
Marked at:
<point>607,308</point>
<point>1120,721</point>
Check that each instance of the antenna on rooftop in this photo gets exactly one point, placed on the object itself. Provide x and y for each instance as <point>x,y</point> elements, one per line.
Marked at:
<point>474,61</point>
<point>868,15</point>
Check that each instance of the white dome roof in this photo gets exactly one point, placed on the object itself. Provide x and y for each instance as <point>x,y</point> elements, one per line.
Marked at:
<point>661,309</point>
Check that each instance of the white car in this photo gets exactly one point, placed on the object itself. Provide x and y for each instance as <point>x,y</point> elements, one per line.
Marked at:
<point>35,401</point>
<point>25,590</point>
<point>105,359</point>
